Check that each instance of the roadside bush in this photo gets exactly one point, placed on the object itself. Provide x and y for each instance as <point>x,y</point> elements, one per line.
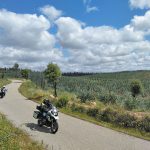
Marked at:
<point>76,108</point>
<point>119,118</point>
<point>93,112</point>
<point>62,102</point>
<point>73,107</point>
<point>144,124</point>
<point>126,120</point>
<point>85,97</point>
<point>130,104</point>
<point>108,115</point>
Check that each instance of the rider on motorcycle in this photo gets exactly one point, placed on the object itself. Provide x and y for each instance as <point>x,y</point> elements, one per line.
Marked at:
<point>3,91</point>
<point>47,115</point>
<point>46,105</point>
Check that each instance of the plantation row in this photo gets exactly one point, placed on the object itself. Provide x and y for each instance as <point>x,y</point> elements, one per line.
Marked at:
<point>106,88</point>
<point>108,91</point>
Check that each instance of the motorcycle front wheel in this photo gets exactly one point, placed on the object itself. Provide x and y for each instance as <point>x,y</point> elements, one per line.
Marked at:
<point>54,127</point>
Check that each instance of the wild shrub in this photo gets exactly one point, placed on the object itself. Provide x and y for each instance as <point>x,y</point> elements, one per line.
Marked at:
<point>85,96</point>
<point>125,120</point>
<point>108,115</point>
<point>76,108</point>
<point>93,112</point>
<point>62,102</point>
<point>136,87</point>
<point>144,124</point>
<point>130,104</point>
<point>73,107</point>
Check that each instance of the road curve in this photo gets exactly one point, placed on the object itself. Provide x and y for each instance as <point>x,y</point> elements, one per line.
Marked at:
<point>73,134</point>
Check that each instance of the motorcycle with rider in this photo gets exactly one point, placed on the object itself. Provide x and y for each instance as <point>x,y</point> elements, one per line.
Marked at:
<point>3,92</point>
<point>47,115</point>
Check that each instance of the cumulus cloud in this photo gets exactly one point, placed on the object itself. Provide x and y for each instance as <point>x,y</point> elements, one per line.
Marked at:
<point>142,23</point>
<point>105,48</point>
<point>25,30</point>
<point>142,4</point>
<point>25,39</point>
<point>51,12</point>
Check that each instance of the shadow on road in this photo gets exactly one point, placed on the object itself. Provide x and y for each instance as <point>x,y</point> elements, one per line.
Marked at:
<point>35,127</point>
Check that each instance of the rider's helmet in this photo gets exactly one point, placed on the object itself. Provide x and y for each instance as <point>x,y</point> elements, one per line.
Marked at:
<point>47,102</point>
<point>3,88</point>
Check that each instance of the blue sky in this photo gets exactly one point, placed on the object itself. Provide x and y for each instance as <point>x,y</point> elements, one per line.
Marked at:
<point>116,13</point>
<point>79,35</point>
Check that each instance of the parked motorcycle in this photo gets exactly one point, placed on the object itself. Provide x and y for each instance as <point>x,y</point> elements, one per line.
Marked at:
<point>47,115</point>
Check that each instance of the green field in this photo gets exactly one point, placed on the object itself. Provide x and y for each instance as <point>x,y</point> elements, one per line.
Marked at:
<point>116,86</point>
<point>104,99</point>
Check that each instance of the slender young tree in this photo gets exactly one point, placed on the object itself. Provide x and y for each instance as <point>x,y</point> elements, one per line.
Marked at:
<point>136,87</point>
<point>52,74</point>
<point>16,68</point>
<point>25,73</point>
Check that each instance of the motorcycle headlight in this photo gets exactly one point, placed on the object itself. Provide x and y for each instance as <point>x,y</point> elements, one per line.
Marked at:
<point>55,112</point>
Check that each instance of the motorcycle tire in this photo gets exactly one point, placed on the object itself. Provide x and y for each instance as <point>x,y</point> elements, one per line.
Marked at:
<point>40,124</point>
<point>54,127</point>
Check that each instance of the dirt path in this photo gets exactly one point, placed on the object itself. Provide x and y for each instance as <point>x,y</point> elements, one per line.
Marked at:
<point>73,134</point>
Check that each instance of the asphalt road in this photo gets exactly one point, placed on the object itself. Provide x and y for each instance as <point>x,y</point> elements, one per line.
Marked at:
<point>73,134</point>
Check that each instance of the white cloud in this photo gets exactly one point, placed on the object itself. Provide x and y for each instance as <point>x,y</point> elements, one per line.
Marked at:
<point>71,32</point>
<point>140,4</point>
<point>88,6</point>
<point>51,12</point>
<point>142,23</point>
<point>25,30</point>
<point>25,39</point>
<point>91,9</point>
<point>104,48</point>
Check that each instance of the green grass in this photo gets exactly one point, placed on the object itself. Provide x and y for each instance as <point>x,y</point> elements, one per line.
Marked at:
<point>29,90</point>
<point>12,138</point>
<point>32,92</point>
<point>4,82</point>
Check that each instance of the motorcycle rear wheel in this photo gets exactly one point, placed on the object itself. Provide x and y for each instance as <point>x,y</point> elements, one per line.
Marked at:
<point>54,127</point>
<point>40,124</point>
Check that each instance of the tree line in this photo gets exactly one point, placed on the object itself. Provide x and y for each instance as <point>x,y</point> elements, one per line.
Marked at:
<point>52,74</point>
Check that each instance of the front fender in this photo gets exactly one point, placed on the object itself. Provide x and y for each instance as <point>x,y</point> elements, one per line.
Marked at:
<point>55,117</point>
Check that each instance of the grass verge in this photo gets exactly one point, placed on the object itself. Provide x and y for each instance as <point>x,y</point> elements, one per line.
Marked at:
<point>4,82</point>
<point>14,138</point>
<point>29,90</point>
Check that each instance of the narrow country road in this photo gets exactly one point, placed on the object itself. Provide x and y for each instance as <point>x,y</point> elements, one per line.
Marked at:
<point>73,134</point>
